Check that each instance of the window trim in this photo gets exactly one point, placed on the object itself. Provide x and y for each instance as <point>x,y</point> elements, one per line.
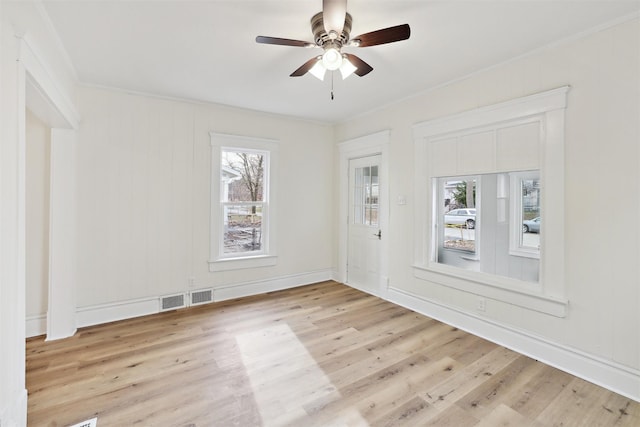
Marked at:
<point>546,108</point>
<point>267,256</point>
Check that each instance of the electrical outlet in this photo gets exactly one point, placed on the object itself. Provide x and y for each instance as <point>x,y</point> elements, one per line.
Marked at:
<point>482,304</point>
<point>192,281</point>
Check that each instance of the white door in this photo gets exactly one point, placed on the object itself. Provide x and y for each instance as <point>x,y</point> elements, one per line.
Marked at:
<point>364,232</point>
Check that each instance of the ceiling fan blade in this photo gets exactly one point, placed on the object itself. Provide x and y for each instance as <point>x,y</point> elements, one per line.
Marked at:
<point>362,68</point>
<point>334,13</point>
<point>386,35</point>
<point>283,42</point>
<point>305,67</point>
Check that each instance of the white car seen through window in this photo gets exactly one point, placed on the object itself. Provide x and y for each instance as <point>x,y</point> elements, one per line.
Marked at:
<point>465,217</point>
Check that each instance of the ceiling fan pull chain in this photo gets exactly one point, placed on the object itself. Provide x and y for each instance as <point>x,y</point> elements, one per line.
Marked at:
<point>332,85</point>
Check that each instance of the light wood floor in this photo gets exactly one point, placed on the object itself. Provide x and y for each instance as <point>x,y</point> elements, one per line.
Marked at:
<point>319,355</point>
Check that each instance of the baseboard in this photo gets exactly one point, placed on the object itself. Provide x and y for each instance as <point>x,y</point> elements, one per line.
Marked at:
<point>105,313</point>
<point>336,276</point>
<point>610,375</point>
<point>36,325</point>
<point>245,289</point>
<point>365,290</point>
<point>15,413</point>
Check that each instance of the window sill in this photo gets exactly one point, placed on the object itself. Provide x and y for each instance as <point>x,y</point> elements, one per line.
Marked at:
<point>227,264</point>
<point>525,252</point>
<point>510,291</point>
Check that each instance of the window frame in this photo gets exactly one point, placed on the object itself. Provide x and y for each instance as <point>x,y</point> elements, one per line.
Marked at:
<point>547,109</point>
<point>267,255</point>
<point>516,248</point>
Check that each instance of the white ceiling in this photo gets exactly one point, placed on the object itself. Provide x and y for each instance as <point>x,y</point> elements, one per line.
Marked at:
<point>206,50</point>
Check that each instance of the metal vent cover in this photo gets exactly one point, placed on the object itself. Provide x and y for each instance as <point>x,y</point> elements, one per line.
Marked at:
<point>93,422</point>
<point>171,302</point>
<point>202,296</point>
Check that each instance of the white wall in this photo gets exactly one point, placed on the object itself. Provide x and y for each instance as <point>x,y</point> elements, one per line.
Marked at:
<point>144,196</point>
<point>602,190</point>
<point>13,397</point>
<point>38,152</point>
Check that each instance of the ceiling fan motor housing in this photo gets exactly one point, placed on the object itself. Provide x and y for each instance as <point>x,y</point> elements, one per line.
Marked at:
<point>321,37</point>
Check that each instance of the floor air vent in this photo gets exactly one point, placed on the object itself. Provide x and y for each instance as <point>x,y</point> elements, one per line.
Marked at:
<point>202,296</point>
<point>171,302</point>
<point>93,422</point>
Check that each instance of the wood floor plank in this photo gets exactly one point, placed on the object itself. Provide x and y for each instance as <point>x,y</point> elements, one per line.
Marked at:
<point>504,416</point>
<point>414,412</point>
<point>369,392</point>
<point>450,416</point>
<point>319,355</point>
<point>472,376</point>
<point>593,406</point>
<point>398,404</point>
<point>537,393</point>
<point>484,399</point>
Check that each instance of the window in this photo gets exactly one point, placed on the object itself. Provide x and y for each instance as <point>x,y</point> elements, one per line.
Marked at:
<point>481,205</point>
<point>525,211</point>
<point>242,175</point>
<point>515,152</point>
<point>458,214</point>
<point>366,191</point>
<point>241,192</point>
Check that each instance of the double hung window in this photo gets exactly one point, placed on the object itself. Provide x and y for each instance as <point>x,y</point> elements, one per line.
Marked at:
<point>243,204</point>
<point>241,192</point>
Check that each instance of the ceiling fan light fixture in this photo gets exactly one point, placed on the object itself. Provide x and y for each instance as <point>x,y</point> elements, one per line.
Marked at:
<point>331,29</point>
<point>347,68</point>
<point>332,59</point>
<point>318,70</point>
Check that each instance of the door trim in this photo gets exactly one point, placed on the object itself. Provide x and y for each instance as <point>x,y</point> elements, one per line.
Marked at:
<point>364,146</point>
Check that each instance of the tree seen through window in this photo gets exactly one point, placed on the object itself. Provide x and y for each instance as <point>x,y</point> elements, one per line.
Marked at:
<point>243,200</point>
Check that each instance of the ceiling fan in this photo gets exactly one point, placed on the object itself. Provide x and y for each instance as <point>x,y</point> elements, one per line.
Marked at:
<point>331,31</point>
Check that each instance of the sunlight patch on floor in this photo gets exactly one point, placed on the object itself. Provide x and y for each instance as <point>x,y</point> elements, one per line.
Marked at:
<point>287,379</point>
